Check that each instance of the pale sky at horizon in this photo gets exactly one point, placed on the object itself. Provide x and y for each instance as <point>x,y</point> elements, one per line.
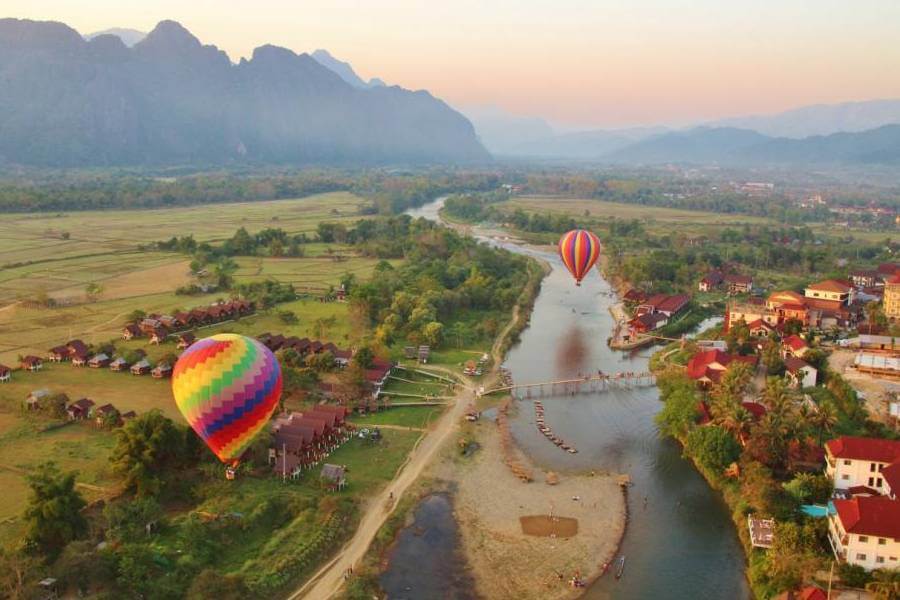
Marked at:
<point>591,63</point>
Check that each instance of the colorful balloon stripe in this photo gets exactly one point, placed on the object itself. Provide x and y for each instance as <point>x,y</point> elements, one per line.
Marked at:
<point>579,250</point>
<point>227,386</point>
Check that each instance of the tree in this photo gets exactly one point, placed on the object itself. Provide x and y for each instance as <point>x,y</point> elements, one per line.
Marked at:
<point>288,317</point>
<point>224,271</point>
<point>128,519</point>
<point>15,569</point>
<point>460,332</point>
<point>885,584</point>
<point>212,584</point>
<point>136,315</point>
<point>736,420</point>
<point>738,338</point>
<point>93,290</point>
<point>771,358</point>
<point>807,488</point>
<point>433,333</point>
<point>364,357</point>
<point>679,413</point>
<point>146,447</point>
<point>56,405</point>
<point>54,509</point>
<point>712,447</point>
<point>320,362</point>
<point>823,420</point>
<point>793,326</point>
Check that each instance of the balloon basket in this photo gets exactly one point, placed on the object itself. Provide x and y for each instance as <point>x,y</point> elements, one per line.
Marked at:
<point>230,473</point>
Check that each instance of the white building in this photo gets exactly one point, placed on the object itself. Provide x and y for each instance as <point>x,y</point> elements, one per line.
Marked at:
<point>865,531</point>
<point>853,462</point>
<point>801,373</point>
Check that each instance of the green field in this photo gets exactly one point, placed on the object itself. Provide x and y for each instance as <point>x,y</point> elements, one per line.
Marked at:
<point>60,269</point>
<point>401,416</point>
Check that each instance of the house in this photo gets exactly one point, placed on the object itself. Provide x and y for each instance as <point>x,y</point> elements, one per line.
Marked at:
<point>342,357</point>
<point>711,281</point>
<point>647,322</point>
<point>801,373</point>
<point>793,345</point>
<point>809,592</point>
<point>58,354</point>
<point>858,461</point>
<point>142,367</point>
<point>334,476</point>
<point>287,465</point>
<point>104,412</point>
<point>424,353</point>
<point>669,305</point>
<point>833,290</point>
<point>80,409</point>
<point>158,335</point>
<point>36,398</point>
<point>865,278</point>
<point>780,298</point>
<point>760,328</point>
<point>161,371</point>
<point>762,532</point>
<point>634,296</point>
<point>131,331</point>
<point>149,325</point>
<point>707,367</point>
<point>409,351</point>
<point>32,363</point>
<point>185,340</point>
<point>5,374</point>
<point>79,359</point>
<point>118,364</point>
<point>739,284</point>
<point>99,361</point>
<point>865,531</point>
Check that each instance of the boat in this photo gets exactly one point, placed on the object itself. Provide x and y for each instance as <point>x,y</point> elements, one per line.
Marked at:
<point>620,566</point>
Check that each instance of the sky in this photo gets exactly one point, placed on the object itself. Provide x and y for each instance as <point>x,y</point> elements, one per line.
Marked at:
<point>573,62</point>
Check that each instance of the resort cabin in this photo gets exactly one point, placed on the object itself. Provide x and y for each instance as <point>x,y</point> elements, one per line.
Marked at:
<point>99,361</point>
<point>142,367</point>
<point>158,335</point>
<point>32,363</point>
<point>119,364</point>
<point>103,412</point>
<point>424,354</point>
<point>127,416</point>
<point>334,477</point>
<point>342,357</point>
<point>149,325</point>
<point>161,371</point>
<point>58,354</point>
<point>185,340</point>
<point>712,280</point>
<point>80,409</point>
<point>739,284</point>
<point>79,359</point>
<point>409,352</point>
<point>288,465</point>
<point>131,331</point>
<point>5,374</point>
<point>35,399</point>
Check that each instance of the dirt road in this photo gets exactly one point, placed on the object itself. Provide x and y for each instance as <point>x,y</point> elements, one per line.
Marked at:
<point>329,579</point>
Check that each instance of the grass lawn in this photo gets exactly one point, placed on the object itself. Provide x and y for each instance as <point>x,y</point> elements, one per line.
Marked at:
<point>403,416</point>
<point>371,465</point>
<point>423,388</point>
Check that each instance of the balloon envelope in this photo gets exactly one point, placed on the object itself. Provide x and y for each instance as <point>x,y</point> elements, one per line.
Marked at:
<point>227,386</point>
<point>579,250</point>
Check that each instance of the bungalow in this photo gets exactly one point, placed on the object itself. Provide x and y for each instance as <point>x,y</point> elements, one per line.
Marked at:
<point>104,412</point>
<point>158,335</point>
<point>99,361</point>
<point>36,398</point>
<point>712,280</point>
<point>170,322</point>
<point>79,359</point>
<point>760,328</point>
<point>5,374</point>
<point>200,316</point>
<point>708,366</point>
<point>667,305</point>
<point>185,340</point>
<point>149,325</point>
<point>131,331</point>
<point>80,409</point>
<point>342,357</point>
<point>739,284</point>
<point>141,367</point>
<point>801,373</point>
<point>794,346</point>
<point>161,371</point>
<point>634,296</point>
<point>865,531</point>
<point>184,319</point>
<point>334,476</point>
<point>77,347</point>
<point>647,322</point>
<point>809,592</point>
<point>288,465</point>
<point>58,354</point>
<point>32,363</point>
<point>126,416</point>
<point>118,364</point>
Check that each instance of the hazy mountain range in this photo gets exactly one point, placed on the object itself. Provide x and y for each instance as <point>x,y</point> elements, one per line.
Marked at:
<point>68,101</point>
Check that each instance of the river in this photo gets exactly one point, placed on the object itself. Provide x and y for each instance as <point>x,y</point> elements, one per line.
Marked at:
<point>681,542</point>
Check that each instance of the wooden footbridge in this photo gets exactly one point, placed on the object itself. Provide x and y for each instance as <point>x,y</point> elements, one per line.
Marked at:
<point>581,385</point>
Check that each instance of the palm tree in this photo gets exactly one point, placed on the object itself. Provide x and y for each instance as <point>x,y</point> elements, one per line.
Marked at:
<point>885,584</point>
<point>824,420</point>
<point>735,419</point>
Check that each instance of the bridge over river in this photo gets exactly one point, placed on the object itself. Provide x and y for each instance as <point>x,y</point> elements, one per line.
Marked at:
<point>591,384</point>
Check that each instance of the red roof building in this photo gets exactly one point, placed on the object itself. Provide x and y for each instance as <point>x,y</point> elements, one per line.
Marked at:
<point>877,516</point>
<point>708,366</point>
<point>862,448</point>
<point>794,345</point>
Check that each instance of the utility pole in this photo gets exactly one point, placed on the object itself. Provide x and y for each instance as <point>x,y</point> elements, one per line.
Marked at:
<point>830,577</point>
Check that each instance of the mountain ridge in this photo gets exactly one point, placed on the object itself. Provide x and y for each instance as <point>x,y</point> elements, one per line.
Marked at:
<point>170,99</point>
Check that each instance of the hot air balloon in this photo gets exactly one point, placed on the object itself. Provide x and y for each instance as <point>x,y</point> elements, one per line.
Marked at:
<point>227,386</point>
<point>579,250</point>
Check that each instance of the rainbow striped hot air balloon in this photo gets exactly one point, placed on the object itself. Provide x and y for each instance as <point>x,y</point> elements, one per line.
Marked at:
<point>227,386</point>
<point>579,250</point>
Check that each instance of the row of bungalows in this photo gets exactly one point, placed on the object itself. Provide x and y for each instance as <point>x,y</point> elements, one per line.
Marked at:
<point>377,375</point>
<point>656,311</point>
<point>71,351</point>
<point>303,439</point>
<point>85,408</point>
<point>160,326</point>
<point>303,346</point>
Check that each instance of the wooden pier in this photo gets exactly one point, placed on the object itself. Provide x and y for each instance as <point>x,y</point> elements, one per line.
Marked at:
<point>582,385</point>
